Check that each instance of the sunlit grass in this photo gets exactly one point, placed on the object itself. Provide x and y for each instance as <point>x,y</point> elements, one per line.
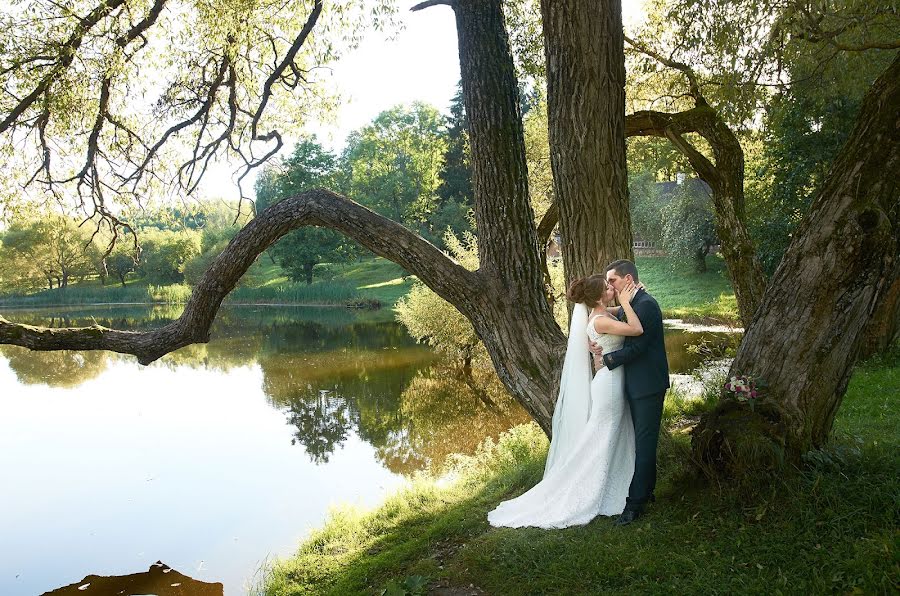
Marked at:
<point>684,294</point>
<point>681,294</point>
<point>335,293</point>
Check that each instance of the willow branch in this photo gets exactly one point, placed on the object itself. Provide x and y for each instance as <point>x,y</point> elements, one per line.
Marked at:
<point>65,57</point>
<point>287,62</point>
<point>686,70</point>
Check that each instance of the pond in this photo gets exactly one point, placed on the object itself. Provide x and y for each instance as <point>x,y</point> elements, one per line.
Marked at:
<point>219,456</point>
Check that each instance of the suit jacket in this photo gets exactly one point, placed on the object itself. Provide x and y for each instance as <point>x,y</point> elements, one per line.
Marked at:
<point>644,356</point>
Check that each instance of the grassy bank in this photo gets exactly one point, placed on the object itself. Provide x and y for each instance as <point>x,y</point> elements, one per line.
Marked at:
<point>830,528</point>
<point>371,281</point>
<point>694,297</point>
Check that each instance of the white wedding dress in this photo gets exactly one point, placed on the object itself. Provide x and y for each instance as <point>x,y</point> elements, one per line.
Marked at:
<point>591,458</point>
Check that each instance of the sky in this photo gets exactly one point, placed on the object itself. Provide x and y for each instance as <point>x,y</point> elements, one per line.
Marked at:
<point>420,63</point>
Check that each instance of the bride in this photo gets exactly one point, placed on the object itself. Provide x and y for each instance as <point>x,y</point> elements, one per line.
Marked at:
<point>591,458</point>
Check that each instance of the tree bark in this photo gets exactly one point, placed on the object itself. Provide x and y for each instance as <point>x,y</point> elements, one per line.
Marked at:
<point>884,327</point>
<point>584,49</point>
<point>841,266</point>
<point>512,316</point>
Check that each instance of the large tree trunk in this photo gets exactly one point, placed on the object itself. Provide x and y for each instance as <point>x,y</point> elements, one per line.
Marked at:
<point>511,316</point>
<point>840,267</point>
<point>584,48</point>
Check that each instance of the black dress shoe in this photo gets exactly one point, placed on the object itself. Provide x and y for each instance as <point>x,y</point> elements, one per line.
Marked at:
<point>652,499</point>
<point>628,516</point>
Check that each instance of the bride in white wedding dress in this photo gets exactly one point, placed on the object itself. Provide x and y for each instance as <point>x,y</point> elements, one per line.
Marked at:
<point>591,458</point>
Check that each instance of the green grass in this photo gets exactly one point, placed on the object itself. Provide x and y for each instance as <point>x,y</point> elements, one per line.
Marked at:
<point>296,293</point>
<point>829,528</point>
<point>94,293</point>
<point>683,294</point>
<point>377,279</point>
<point>706,297</point>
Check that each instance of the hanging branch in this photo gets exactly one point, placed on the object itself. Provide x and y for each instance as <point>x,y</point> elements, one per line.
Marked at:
<point>118,158</point>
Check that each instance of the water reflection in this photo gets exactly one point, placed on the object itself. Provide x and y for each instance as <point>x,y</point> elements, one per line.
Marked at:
<point>54,369</point>
<point>687,350</point>
<point>333,375</point>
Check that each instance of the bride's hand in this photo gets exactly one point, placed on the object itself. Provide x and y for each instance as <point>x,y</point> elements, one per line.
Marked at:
<point>627,293</point>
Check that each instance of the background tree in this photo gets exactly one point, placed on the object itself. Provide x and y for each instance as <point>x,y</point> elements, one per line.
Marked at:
<point>54,245</point>
<point>688,231</point>
<point>455,197</point>
<point>393,164</point>
<point>805,126</point>
<point>165,254</point>
<point>18,269</point>
<point>310,166</point>
<point>120,263</point>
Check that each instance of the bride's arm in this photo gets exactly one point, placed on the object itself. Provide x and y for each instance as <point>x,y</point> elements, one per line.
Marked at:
<point>630,328</point>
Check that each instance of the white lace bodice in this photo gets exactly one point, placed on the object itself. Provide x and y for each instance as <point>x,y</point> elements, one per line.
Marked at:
<point>609,343</point>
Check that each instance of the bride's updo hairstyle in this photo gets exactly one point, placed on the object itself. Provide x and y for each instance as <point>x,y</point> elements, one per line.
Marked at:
<point>588,290</point>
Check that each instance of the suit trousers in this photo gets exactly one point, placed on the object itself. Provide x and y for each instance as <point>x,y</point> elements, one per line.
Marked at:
<point>646,415</point>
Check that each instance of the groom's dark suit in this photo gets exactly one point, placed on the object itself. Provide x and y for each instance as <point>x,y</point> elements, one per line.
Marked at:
<point>646,381</point>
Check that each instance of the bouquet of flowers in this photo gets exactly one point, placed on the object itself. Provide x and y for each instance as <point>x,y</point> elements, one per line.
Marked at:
<point>743,387</point>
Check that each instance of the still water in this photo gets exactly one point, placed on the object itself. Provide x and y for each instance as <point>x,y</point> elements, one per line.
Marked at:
<point>219,456</point>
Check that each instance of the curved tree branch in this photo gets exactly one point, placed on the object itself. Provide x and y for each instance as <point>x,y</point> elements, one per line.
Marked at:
<point>320,207</point>
<point>705,168</point>
<point>687,71</point>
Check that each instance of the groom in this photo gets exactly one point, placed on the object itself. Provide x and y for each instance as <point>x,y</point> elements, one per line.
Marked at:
<point>646,381</point>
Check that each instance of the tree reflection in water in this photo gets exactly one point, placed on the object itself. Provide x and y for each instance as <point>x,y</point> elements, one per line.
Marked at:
<point>54,369</point>
<point>322,424</point>
<point>445,412</point>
